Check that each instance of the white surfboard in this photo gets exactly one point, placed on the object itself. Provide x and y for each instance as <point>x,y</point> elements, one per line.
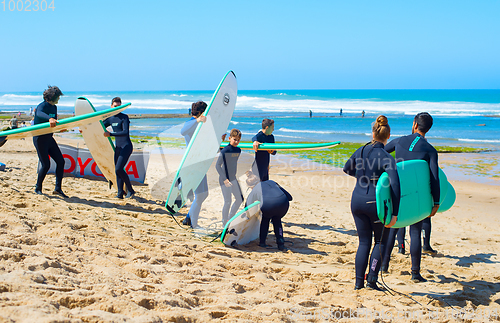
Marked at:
<point>204,144</point>
<point>101,148</point>
<point>244,227</point>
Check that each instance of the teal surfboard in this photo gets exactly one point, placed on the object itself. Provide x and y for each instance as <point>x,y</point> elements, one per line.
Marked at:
<point>286,146</point>
<point>416,200</point>
<point>449,199</point>
<point>204,144</point>
<point>243,227</point>
<point>63,124</point>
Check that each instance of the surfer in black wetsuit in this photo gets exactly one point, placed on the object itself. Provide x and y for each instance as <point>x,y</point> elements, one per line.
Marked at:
<point>275,202</point>
<point>367,164</point>
<point>226,166</point>
<point>46,146</point>
<point>412,147</point>
<point>123,148</point>
<point>263,157</point>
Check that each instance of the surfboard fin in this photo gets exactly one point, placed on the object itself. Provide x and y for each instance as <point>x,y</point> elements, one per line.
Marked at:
<point>3,140</point>
<point>178,201</point>
<point>178,184</point>
<point>190,195</point>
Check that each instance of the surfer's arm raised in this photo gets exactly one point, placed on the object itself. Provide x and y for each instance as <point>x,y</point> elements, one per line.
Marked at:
<point>189,127</point>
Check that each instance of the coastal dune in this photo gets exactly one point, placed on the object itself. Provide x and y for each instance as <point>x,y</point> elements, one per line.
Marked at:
<point>93,258</point>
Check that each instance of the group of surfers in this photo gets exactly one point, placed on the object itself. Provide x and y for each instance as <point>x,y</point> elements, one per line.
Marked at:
<point>366,164</point>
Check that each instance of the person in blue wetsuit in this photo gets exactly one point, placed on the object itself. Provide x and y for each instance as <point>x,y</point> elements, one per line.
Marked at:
<point>201,192</point>
<point>226,166</point>
<point>123,148</point>
<point>367,164</point>
<point>275,202</point>
<point>46,146</point>
<point>263,157</point>
<point>412,147</point>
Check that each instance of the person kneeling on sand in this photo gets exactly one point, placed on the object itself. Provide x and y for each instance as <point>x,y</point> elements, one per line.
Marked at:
<point>275,202</point>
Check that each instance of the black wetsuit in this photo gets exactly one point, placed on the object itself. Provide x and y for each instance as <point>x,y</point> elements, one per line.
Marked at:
<point>262,157</point>
<point>226,166</point>
<point>367,164</point>
<point>123,149</point>
<point>275,202</point>
<point>46,147</point>
<point>414,147</point>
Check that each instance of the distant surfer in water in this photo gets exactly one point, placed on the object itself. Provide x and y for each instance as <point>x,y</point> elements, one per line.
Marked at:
<point>275,202</point>
<point>123,148</point>
<point>412,147</point>
<point>226,166</point>
<point>367,164</point>
<point>263,157</point>
<point>46,146</point>
<point>201,192</point>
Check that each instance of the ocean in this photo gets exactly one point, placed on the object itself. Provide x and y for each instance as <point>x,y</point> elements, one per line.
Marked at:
<point>461,117</point>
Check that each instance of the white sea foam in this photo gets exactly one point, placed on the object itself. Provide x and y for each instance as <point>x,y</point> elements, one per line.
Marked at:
<point>495,141</point>
<point>18,99</point>
<point>243,122</point>
<point>369,106</point>
<point>286,136</point>
<point>283,103</point>
<point>319,132</point>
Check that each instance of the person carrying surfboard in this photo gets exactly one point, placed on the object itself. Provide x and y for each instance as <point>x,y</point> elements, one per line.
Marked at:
<point>45,145</point>
<point>201,192</point>
<point>274,201</point>
<point>226,166</point>
<point>412,147</point>
<point>367,164</point>
<point>263,157</point>
<point>123,148</point>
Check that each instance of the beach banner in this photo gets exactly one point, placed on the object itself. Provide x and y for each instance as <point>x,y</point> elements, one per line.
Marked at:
<point>79,162</point>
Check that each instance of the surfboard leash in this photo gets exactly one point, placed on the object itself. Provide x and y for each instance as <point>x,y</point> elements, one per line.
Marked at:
<point>389,289</point>
<point>218,236</point>
<point>173,217</point>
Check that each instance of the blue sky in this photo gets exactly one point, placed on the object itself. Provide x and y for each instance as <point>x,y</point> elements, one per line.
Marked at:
<point>87,45</point>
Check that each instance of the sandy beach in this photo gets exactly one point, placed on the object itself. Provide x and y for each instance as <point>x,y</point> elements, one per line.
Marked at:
<point>94,258</point>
